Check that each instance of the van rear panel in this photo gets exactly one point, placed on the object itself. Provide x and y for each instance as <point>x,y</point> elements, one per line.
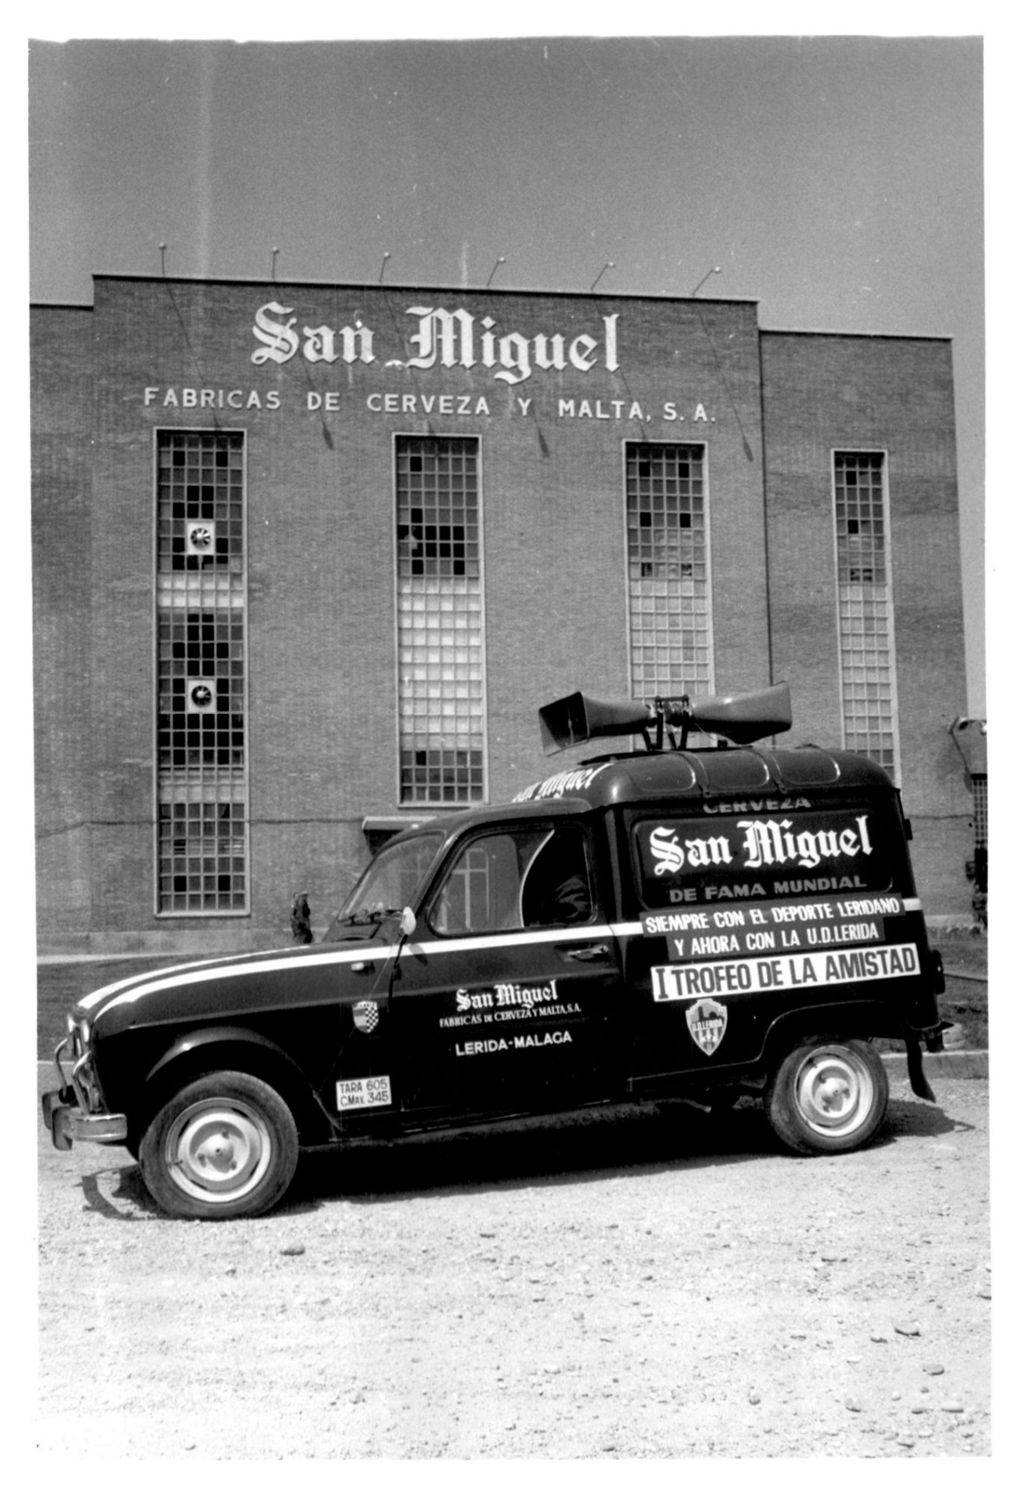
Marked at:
<point>756,920</point>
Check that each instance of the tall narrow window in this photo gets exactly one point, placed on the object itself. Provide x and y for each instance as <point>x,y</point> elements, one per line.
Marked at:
<point>669,603</point>
<point>867,669</point>
<point>979,788</point>
<point>440,621</point>
<point>202,825</point>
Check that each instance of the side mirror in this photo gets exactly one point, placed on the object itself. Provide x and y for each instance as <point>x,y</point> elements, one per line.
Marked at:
<point>408,921</point>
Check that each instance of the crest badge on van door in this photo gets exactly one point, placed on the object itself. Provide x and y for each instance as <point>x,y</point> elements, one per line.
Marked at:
<point>706,1021</point>
<point>365,1016</point>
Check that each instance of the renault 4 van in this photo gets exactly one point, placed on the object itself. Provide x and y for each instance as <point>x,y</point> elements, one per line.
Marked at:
<point>667,923</point>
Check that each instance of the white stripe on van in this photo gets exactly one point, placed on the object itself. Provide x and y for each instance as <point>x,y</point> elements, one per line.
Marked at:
<point>131,989</point>
<point>124,983</point>
<point>171,977</point>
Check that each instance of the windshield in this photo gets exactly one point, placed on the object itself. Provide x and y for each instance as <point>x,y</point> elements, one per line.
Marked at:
<point>392,879</point>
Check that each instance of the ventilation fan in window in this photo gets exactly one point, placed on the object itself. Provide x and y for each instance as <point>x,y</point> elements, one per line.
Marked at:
<point>201,696</point>
<point>200,539</point>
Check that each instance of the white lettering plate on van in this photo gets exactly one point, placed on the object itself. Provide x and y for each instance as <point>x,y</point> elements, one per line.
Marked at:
<point>773,973</point>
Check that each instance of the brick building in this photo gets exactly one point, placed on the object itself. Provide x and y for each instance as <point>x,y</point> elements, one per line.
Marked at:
<point>308,557</point>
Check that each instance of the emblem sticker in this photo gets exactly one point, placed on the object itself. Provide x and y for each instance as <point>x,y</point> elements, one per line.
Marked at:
<point>366,1016</point>
<point>706,1021</point>
<point>367,1090</point>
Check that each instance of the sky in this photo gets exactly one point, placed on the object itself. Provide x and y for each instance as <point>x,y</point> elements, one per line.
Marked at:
<point>837,181</point>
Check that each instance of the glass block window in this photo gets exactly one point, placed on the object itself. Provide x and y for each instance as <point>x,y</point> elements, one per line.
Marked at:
<point>979,785</point>
<point>669,596</point>
<point>440,620</point>
<point>202,855</point>
<point>202,795</point>
<point>867,668</point>
<point>202,687</point>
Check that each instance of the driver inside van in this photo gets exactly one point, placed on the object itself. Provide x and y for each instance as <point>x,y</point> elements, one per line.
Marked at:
<point>556,890</point>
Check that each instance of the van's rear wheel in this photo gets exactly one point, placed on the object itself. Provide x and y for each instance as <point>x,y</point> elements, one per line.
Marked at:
<point>226,1145</point>
<point>828,1096</point>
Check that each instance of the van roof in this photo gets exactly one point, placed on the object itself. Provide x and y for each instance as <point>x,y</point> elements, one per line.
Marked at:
<point>629,778</point>
<point>699,773</point>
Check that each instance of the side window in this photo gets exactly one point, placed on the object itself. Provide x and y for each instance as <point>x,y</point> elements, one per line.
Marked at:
<point>480,891</point>
<point>515,880</point>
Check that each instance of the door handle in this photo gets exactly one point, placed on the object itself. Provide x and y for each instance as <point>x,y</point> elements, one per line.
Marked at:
<point>362,965</point>
<point>583,952</point>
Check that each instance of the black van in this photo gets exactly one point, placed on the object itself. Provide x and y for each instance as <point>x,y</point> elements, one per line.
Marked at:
<point>669,923</point>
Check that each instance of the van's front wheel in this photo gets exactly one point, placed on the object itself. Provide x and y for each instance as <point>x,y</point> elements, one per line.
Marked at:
<point>225,1146</point>
<point>828,1096</point>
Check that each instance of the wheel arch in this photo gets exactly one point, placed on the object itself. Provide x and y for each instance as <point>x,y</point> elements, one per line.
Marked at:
<point>231,1047</point>
<point>848,1020</point>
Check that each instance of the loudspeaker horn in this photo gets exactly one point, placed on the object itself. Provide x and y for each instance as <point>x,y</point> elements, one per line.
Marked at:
<point>742,717</point>
<point>578,718</point>
<point>745,716</point>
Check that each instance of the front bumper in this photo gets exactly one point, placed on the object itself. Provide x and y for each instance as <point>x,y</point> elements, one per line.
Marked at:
<point>67,1123</point>
<point>76,1112</point>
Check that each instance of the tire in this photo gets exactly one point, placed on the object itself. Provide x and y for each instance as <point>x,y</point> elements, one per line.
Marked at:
<point>225,1146</point>
<point>828,1096</point>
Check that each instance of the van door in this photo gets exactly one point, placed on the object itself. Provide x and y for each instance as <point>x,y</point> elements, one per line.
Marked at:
<point>504,999</point>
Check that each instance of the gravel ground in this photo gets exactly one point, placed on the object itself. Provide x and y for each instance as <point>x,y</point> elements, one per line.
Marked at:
<point>606,1287</point>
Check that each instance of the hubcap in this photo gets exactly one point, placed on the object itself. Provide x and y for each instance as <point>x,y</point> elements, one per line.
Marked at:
<point>219,1148</point>
<point>834,1092</point>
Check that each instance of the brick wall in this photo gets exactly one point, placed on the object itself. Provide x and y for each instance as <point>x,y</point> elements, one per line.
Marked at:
<point>320,514</point>
<point>823,392</point>
<point>62,597</point>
